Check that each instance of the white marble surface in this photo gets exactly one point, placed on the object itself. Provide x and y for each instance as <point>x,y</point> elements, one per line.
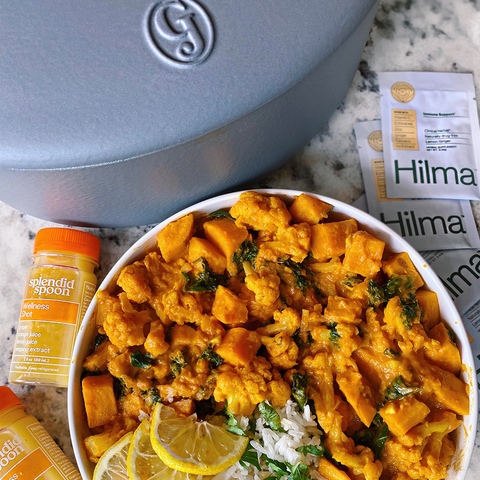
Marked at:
<point>428,35</point>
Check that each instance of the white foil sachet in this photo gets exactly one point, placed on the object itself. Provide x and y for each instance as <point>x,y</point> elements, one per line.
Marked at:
<point>425,224</point>
<point>431,135</point>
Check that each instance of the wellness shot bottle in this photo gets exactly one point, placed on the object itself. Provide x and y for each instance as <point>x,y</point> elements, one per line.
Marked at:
<point>60,286</point>
<point>27,452</point>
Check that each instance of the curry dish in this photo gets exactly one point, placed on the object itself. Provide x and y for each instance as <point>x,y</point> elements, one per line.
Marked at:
<point>266,302</point>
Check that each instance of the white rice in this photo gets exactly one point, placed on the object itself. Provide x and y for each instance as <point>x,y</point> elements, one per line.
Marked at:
<point>301,429</point>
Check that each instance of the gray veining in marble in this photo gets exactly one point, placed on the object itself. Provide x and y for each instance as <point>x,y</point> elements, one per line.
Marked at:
<point>421,35</point>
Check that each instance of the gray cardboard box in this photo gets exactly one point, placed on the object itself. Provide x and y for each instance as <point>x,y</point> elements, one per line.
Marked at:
<point>117,113</point>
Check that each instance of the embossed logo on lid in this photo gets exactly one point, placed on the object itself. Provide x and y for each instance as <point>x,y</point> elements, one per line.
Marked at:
<point>181,32</point>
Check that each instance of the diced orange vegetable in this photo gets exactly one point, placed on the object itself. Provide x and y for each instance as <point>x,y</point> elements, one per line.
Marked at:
<point>199,247</point>
<point>174,238</point>
<point>402,415</point>
<point>100,402</point>
<point>431,310</point>
<point>330,472</point>
<point>363,254</point>
<point>225,236</point>
<point>340,309</point>
<point>228,308</point>
<point>239,346</point>
<point>328,239</point>
<point>442,351</point>
<point>452,392</point>
<point>402,265</point>
<point>358,395</point>
<point>306,208</point>
<point>184,407</point>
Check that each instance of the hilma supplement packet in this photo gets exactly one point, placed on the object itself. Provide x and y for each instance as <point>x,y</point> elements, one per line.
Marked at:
<point>431,135</point>
<point>425,224</point>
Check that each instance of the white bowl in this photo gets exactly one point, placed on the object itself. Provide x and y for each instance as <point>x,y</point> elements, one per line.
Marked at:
<point>465,436</point>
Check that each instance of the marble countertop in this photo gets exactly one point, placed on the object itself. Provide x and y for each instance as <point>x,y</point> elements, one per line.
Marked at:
<point>419,35</point>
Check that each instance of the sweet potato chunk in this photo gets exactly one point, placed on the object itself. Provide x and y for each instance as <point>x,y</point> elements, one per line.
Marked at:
<point>199,247</point>
<point>306,208</point>
<point>363,254</point>
<point>328,239</point>
<point>330,472</point>
<point>452,392</point>
<point>401,265</point>
<point>100,403</point>
<point>431,310</point>
<point>402,415</point>
<point>228,308</point>
<point>239,346</point>
<point>442,351</point>
<point>225,236</point>
<point>174,238</point>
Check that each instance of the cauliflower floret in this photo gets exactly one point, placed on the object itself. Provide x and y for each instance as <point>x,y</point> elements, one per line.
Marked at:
<point>243,388</point>
<point>265,286</point>
<point>133,279</point>
<point>259,212</point>
<point>124,325</point>
<point>134,378</point>
<point>278,391</point>
<point>98,360</point>
<point>282,350</point>
<point>155,343</point>
<point>287,320</point>
<point>182,308</point>
<point>293,241</point>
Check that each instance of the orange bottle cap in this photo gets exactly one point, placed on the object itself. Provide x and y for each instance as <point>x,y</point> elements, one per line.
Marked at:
<point>8,398</point>
<point>67,240</point>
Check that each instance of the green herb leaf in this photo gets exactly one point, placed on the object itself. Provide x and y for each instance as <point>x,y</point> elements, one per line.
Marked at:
<point>410,310</point>
<point>398,389</point>
<point>207,280</point>
<point>231,421</point>
<point>301,281</point>
<point>151,396</point>
<point>247,252</point>
<point>299,472</point>
<point>334,335</point>
<point>379,441</point>
<point>220,214</point>
<point>351,281</point>
<point>376,294</point>
<point>312,450</point>
<point>373,438</point>
<point>275,466</point>
<point>392,288</point>
<point>119,388</point>
<point>250,457</point>
<point>177,364</point>
<point>391,353</point>
<point>271,417</point>
<point>139,360</point>
<point>99,339</point>
<point>214,359</point>
<point>299,389</point>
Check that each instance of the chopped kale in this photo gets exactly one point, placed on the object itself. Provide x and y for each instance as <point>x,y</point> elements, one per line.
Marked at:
<point>140,360</point>
<point>271,417</point>
<point>376,294</point>
<point>299,389</point>
<point>410,310</point>
<point>207,280</point>
<point>119,388</point>
<point>334,335</point>
<point>373,438</point>
<point>220,214</point>
<point>250,457</point>
<point>399,389</point>
<point>297,338</point>
<point>392,288</point>
<point>177,364</point>
<point>99,339</point>
<point>351,281</point>
<point>214,359</point>
<point>151,396</point>
<point>247,252</point>
<point>301,280</point>
<point>391,353</point>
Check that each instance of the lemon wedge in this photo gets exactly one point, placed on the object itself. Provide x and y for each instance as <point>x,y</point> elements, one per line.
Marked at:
<point>191,445</point>
<point>144,464</point>
<point>113,463</point>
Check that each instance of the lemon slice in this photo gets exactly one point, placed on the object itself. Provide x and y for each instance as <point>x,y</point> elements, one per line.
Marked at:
<point>191,445</point>
<point>144,464</point>
<point>113,463</point>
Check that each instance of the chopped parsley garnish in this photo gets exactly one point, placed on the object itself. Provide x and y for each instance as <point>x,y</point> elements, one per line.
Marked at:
<point>247,252</point>
<point>410,309</point>
<point>271,417</point>
<point>312,450</point>
<point>140,360</point>
<point>399,389</point>
<point>298,471</point>
<point>299,389</point>
<point>250,457</point>
<point>177,364</point>
<point>220,214</point>
<point>205,281</point>
<point>213,358</point>
<point>376,294</point>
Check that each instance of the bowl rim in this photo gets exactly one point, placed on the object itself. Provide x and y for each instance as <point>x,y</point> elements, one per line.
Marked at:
<point>369,223</point>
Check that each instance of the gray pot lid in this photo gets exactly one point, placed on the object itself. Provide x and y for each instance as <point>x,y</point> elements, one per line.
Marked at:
<point>94,81</point>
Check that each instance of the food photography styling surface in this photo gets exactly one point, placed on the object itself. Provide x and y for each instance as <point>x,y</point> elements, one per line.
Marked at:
<point>406,36</point>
